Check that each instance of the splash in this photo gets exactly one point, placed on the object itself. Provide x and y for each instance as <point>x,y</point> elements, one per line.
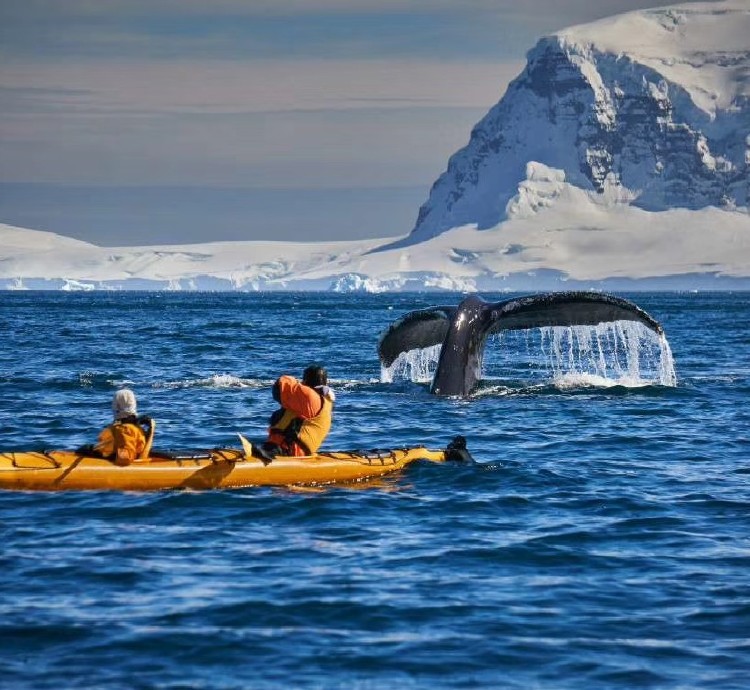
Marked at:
<point>415,365</point>
<point>623,353</point>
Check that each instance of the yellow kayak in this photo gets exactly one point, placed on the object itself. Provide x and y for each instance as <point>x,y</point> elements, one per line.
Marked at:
<point>56,470</point>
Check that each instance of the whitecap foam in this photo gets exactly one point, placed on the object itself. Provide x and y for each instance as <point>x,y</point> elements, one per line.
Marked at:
<point>584,380</point>
<point>216,381</point>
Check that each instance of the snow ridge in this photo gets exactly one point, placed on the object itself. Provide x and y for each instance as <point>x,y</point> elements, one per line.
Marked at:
<point>655,102</point>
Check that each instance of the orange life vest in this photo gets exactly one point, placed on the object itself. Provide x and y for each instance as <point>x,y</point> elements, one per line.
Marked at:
<point>300,436</point>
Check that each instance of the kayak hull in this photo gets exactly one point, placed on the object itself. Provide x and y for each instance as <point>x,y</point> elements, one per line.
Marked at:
<point>58,470</point>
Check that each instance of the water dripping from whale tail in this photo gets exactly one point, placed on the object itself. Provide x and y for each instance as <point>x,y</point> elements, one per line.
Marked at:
<point>417,365</point>
<point>623,353</point>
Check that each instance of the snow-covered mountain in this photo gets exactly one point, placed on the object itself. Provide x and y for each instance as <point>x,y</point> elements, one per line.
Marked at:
<point>650,107</point>
<point>619,158</point>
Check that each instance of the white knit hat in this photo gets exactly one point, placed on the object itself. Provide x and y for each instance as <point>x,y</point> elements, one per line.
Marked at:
<point>123,404</point>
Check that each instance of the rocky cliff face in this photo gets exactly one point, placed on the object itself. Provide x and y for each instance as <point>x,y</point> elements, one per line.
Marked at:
<point>650,108</point>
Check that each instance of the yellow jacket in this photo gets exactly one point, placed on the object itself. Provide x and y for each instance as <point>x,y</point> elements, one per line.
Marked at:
<point>305,421</point>
<point>122,442</point>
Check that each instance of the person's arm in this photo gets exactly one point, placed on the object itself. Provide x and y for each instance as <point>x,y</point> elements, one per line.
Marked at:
<point>106,445</point>
<point>302,400</point>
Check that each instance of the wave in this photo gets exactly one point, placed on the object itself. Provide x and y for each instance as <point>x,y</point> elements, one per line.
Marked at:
<point>232,381</point>
<point>587,380</point>
<point>216,381</point>
<point>570,384</point>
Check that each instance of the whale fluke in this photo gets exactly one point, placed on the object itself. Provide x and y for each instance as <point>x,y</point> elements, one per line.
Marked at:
<point>567,309</point>
<point>414,331</point>
<point>463,330</point>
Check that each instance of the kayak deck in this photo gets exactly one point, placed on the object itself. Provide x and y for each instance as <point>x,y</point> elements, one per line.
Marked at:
<point>219,468</point>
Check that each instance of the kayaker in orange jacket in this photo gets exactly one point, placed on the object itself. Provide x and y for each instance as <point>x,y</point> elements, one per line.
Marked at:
<point>125,439</point>
<point>301,424</point>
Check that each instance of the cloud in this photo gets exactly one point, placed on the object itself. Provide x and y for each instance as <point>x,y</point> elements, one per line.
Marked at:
<point>260,86</point>
<point>252,8</point>
<point>243,30</point>
<point>325,148</point>
<point>316,123</point>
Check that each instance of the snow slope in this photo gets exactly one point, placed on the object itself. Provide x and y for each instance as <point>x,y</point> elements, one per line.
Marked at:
<point>33,258</point>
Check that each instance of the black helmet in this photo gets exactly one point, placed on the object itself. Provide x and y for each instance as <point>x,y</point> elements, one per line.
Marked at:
<point>315,376</point>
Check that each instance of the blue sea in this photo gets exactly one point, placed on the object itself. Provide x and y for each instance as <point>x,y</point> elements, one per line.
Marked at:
<point>600,541</point>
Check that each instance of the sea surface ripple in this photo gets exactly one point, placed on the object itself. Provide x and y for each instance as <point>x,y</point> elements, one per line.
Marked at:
<point>601,541</point>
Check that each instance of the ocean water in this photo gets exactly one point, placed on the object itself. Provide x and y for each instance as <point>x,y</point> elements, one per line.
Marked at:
<point>601,540</point>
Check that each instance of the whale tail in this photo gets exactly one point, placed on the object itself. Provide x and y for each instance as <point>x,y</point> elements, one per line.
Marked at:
<point>414,331</point>
<point>462,331</point>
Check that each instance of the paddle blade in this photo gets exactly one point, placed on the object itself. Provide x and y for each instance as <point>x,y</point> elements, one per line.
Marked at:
<point>247,447</point>
<point>456,451</point>
<point>149,441</point>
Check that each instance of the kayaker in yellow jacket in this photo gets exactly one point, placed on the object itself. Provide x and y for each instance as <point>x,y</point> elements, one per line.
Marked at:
<point>301,424</point>
<point>125,439</point>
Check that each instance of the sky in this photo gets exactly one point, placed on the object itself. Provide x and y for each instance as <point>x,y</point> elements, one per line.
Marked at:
<point>142,122</point>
